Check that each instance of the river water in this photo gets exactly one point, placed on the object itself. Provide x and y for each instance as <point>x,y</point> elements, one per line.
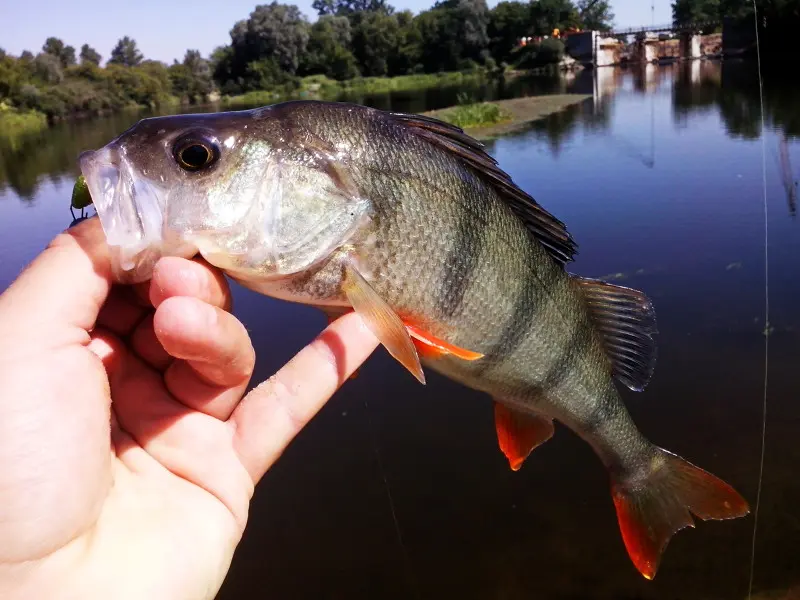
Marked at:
<point>659,178</point>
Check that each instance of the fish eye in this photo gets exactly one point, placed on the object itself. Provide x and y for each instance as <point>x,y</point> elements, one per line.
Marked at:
<point>193,154</point>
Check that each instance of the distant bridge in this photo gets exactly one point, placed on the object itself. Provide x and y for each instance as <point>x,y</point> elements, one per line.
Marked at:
<point>671,28</point>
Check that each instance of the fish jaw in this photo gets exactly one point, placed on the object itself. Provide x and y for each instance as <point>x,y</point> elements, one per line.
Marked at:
<point>131,209</point>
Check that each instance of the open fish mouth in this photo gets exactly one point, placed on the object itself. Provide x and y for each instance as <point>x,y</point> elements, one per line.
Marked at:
<point>131,209</point>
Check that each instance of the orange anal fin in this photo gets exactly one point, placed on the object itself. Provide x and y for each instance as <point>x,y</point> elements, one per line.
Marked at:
<point>653,508</point>
<point>518,433</point>
<point>432,347</point>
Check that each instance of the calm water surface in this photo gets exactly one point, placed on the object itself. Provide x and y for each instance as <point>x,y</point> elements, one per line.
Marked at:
<point>659,178</point>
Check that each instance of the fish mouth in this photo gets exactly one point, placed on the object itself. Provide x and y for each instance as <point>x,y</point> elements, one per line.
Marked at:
<point>131,209</point>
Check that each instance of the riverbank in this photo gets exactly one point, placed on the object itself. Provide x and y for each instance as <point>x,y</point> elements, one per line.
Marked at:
<point>514,115</point>
<point>14,123</point>
<point>320,87</point>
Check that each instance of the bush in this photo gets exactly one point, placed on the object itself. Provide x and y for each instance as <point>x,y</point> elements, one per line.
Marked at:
<point>474,115</point>
<point>532,56</point>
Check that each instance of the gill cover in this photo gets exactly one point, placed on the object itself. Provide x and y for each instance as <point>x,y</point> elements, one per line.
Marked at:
<point>309,209</point>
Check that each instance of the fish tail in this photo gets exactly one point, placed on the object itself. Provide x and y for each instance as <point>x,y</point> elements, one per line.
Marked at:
<point>655,504</point>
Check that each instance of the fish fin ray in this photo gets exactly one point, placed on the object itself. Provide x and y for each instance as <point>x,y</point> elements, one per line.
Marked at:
<point>382,321</point>
<point>651,510</point>
<point>626,321</point>
<point>434,347</point>
<point>519,433</point>
<point>546,228</point>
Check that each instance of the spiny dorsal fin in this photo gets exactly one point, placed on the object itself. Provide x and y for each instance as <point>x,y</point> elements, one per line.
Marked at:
<point>548,230</point>
<point>627,321</point>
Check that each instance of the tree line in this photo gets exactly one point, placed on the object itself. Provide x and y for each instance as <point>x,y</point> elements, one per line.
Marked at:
<point>277,45</point>
<point>778,22</point>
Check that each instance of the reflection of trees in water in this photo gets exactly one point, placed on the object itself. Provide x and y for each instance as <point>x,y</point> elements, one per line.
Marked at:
<point>558,128</point>
<point>26,159</point>
<point>54,152</point>
<point>732,87</point>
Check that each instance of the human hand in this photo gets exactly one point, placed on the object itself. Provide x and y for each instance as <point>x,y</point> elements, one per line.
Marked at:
<point>128,456</point>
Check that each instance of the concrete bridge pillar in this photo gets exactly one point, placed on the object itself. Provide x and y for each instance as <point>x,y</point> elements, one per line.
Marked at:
<point>646,50</point>
<point>690,46</point>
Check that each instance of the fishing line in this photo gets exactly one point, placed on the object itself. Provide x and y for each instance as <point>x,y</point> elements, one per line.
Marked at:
<point>766,307</point>
<point>398,531</point>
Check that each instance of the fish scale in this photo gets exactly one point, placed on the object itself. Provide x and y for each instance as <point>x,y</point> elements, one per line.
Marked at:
<point>408,221</point>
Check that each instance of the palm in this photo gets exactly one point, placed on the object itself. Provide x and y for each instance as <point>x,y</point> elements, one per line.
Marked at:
<point>165,490</point>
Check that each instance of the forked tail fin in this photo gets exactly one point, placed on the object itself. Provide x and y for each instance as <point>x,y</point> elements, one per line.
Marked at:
<point>652,508</point>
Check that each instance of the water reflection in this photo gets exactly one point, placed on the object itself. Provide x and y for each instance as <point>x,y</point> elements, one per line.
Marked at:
<point>27,161</point>
<point>697,87</point>
<point>787,175</point>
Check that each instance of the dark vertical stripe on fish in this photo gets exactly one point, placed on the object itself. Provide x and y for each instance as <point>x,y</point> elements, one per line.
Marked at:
<point>463,257</point>
<point>604,410</point>
<point>573,352</point>
<point>520,320</point>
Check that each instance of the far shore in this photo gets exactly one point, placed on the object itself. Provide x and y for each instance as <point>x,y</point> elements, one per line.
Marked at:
<point>521,111</point>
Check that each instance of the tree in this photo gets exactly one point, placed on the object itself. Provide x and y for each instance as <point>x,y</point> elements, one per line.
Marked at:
<point>349,7</point>
<point>407,55</point>
<point>56,47</point>
<point>48,68</point>
<point>374,39</point>
<point>89,55</point>
<point>191,78</point>
<point>125,53</point>
<point>595,14</point>
<point>508,22</point>
<point>276,31</point>
<point>547,15</point>
<point>454,34</point>
<point>695,11</point>
<point>328,50</point>
<point>473,18</point>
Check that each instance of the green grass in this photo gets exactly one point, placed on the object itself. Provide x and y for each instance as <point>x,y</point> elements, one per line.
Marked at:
<point>403,83</point>
<point>481,114</point>
<point>323,88</point>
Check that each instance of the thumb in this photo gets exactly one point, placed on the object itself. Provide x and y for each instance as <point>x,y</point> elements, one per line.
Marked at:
<point>62,289</point>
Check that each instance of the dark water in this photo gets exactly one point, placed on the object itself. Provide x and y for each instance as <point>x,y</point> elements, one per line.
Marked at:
<point>659,179</point>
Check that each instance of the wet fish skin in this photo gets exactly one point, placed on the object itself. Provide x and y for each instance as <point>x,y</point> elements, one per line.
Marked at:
<point>410,222</point>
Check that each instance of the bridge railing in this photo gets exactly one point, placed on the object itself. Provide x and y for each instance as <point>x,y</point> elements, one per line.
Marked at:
<point>664,28</point>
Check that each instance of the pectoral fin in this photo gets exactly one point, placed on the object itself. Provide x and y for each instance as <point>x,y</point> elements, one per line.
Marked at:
<point>518,433</point>
<point>382,321</point>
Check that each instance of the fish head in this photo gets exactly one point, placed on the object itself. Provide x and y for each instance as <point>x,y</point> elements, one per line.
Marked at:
<point>239,188</point>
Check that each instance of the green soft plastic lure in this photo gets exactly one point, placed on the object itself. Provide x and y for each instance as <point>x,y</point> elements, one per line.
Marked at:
<point>80,194</point>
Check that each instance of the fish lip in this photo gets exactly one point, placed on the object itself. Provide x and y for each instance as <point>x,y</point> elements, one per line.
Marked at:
<point>129,208</point>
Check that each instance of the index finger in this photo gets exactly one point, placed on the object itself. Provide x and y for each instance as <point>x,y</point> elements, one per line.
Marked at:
<point>272,414</point>
<point>64,285</point>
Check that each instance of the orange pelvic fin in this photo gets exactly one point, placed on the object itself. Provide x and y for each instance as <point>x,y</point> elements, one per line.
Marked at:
<point>432,347</point>
<point>518,433</point>
<point>382,321</point>
<point>652,509</point>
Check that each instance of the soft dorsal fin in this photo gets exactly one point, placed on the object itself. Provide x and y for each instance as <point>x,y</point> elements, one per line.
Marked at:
<point>627,321</point>
<point>548,230</point>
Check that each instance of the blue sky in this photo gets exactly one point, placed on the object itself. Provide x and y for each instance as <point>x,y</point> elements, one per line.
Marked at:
<point>164,29</point>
